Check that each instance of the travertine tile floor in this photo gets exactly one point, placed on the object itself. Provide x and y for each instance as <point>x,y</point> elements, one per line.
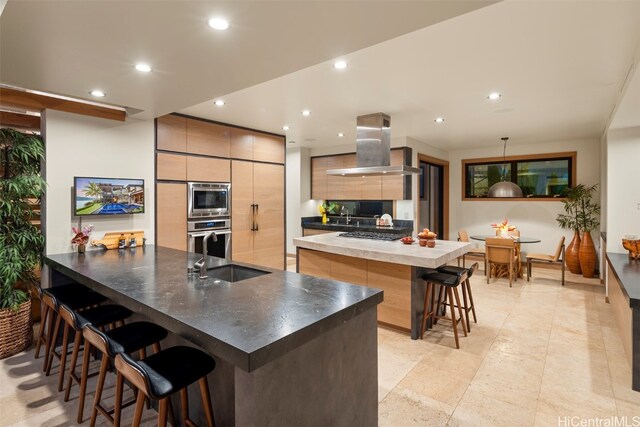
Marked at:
<point>538,352</point>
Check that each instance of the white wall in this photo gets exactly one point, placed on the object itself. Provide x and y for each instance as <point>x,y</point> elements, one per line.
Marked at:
<point>534,219</point>
<point>299,203</point>
<point>86,146</point>
<point>623,192</point>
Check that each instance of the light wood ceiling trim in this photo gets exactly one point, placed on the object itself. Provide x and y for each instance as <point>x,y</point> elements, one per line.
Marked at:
<point>20,121</point>
<point>28,101</point>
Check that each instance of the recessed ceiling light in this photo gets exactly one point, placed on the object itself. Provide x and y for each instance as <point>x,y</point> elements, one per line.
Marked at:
<point>219,102</point>
<point>306,112</point>
<point>494,95</point>
<point>285,127</point>
<point>340,135</point>
<point>340,65</point>
<point>219,24</point>
<point>145,68</point>
<point>98,93</point>
<point>439,120</point>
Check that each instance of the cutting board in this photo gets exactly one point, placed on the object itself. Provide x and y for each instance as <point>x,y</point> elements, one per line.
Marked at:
<point>110,240</point>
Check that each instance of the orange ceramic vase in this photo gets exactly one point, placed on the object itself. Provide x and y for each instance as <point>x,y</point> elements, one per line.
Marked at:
<point>587,255</point>
<point>572,254</point>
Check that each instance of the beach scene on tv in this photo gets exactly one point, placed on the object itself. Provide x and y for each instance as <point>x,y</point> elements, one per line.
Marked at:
<point>108,196</point>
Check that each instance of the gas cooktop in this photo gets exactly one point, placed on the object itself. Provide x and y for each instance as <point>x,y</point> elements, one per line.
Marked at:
<point>372,235</point>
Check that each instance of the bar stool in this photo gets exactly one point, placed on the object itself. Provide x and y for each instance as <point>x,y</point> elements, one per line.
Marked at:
<point>449,283</point>
<point>162,374</point>
<point>124,339</point>
<point>73,295</point>
<point>468,304</point>
<point>101,316</point>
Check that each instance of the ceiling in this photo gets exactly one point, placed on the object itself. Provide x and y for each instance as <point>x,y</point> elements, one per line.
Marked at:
<point>72,47</point>
<point>559,65</point>
<point>628,112</point>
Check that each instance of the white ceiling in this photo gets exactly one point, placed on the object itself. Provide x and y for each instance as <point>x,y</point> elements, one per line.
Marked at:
<point>560,66</point>
<point>72,47</point>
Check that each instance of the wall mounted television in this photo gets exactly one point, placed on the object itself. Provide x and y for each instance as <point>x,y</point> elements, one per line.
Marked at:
<point>107,196</point>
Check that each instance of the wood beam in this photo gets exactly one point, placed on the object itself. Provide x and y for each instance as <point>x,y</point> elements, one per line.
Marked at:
<point>29,101</point>
<point>20,121</point>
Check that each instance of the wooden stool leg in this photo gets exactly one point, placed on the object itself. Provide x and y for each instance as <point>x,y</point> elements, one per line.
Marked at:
<point>44,313</point>
<point>53,337</point>
<point>83,379</point>
<point>457,295</point>
<point>466,306</point>
<point>104,363</point>
<point>453,318</point>
<point>63,355</point>
<point>206,400</point>
<point>155,347</point>
<point>118,406</point>
<point>162,412</point>
<point>72,365</point>
<point>184,405</point>
<point>473,306</point>
<point>137,415</point>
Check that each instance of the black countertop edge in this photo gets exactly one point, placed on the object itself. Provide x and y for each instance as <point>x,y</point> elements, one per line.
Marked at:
<point>354,227</point>
<point>246,360</point>
<point>627,272</point>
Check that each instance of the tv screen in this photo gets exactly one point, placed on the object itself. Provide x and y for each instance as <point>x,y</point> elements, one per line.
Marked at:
<point>108,196</point>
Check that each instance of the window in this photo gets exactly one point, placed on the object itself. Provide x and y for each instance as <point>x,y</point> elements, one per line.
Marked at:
<point>544,176</point>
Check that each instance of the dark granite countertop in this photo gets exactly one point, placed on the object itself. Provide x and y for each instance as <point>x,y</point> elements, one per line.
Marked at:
<point>362,224</point>
<point>247,323</point>
<point>627,272</point>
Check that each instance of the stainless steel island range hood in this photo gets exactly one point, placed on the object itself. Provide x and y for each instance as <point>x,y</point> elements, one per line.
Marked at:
<point>373,148</point>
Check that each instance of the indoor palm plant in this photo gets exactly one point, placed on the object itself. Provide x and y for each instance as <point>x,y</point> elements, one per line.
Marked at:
<point>569,221</point>
<point>21,242</point>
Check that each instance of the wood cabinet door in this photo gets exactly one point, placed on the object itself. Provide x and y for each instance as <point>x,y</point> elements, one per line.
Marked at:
<point>335,188</point>
<point>351,185</point>
<point>393,185</point>
<point>268,195</point>
<point>268,148</point>
<point>171,215</point>
<point>171,166</point>
<point>208,169</point>
<point>319,178</point>
<point>371,188</point>
<point>241,211</point>
<point>314,263</point>
<point>172,133</point>
<point>241,144</point>
<point>395,281</point>
<point>349,269</point>
<point>208,138</point>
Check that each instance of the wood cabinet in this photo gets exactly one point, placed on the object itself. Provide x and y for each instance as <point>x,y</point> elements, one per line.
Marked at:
<point>335,186</point>
<point>208,169</point>
<point>313,232</point>
<point>171,215</point>
<point>171,133</point>
<point>314,263</point>
<point>208,138</point>
<point>319,178</point>
<point>393,186</point>
<point>249,145</point>
<point>171,167</point>
<point>257,213</point>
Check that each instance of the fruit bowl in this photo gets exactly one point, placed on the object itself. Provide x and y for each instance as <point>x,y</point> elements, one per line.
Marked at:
<point>407,240</point>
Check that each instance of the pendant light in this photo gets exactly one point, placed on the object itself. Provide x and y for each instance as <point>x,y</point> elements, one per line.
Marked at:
<point>504,188</point>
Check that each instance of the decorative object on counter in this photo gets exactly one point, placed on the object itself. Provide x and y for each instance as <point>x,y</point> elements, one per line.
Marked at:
<point>81,237</point>
<point>122,242</point>
<point>407,240</point>
<point>112,240</point>
<point>21,242</point>
<point>427,238</point>
<point>327,208</point>
<point>633,246</point>
<point>503,228</point>
<point>504,188</point>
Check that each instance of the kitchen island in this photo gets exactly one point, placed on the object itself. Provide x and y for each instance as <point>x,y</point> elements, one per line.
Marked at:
<point>391,266</point>
<point>290,349</point>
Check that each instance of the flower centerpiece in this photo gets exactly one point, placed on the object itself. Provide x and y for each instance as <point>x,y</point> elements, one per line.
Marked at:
<point>503,228</point>
<point>81,237</point>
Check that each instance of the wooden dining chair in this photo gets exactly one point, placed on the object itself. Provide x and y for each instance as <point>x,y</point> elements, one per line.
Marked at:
<point>463,236</point>
<point>557,258</point>
<point>501,252</point>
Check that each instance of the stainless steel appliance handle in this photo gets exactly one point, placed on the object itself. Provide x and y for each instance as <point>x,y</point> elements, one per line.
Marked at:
<point>257,216</point>
<point>204,233</point>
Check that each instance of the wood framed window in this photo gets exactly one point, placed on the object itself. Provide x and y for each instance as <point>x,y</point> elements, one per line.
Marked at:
<point>540,176</point>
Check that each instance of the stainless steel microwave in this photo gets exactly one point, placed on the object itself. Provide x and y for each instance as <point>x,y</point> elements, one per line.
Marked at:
<point>209,199</point>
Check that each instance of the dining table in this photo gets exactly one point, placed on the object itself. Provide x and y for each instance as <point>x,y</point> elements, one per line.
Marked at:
<point>518,241</point>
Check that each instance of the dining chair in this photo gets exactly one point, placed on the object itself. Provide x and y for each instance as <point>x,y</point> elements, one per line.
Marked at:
<point>556,258</point>
<point>463,236</point>
<point>501,252</point>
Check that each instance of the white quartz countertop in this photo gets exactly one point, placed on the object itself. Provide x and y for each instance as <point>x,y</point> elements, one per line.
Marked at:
<point>382,250</point>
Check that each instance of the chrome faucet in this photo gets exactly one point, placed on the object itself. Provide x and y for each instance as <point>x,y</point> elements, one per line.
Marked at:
<point>344,208</point>
<point>203,263</point>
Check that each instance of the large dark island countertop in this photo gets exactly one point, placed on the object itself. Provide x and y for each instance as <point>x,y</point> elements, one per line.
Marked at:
<point>248,323</point>
<point>627,272</point>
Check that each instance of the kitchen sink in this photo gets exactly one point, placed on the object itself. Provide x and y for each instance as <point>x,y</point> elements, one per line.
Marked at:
<point>234,273</point>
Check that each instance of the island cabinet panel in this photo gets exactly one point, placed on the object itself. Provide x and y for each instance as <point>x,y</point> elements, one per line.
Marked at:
<point>241,144</point>
<point>319,178</point>
<point>314,263</point>
<point>349,269</point>
<point>171,167</point>
<point>171,225</point>
<point>171,133</point>
<point>268,148</point>
<point>208,169</point>
<point>622,313</point>
<point>257,213</point>
<point>395,281</point>
<point>393,186</point>
<point>208,138</point>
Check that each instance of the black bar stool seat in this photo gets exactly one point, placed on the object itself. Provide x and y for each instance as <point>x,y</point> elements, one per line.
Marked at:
<point>467,295</point>
<point>449,286</point>
<point>132,337</point>
<point>100,316</point>
<point>74,295</point>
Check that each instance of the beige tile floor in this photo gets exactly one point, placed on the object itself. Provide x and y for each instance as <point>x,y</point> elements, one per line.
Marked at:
<point>538,352</point>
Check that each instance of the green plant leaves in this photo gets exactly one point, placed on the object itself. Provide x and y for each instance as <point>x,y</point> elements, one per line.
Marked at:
<point>582,212</point>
